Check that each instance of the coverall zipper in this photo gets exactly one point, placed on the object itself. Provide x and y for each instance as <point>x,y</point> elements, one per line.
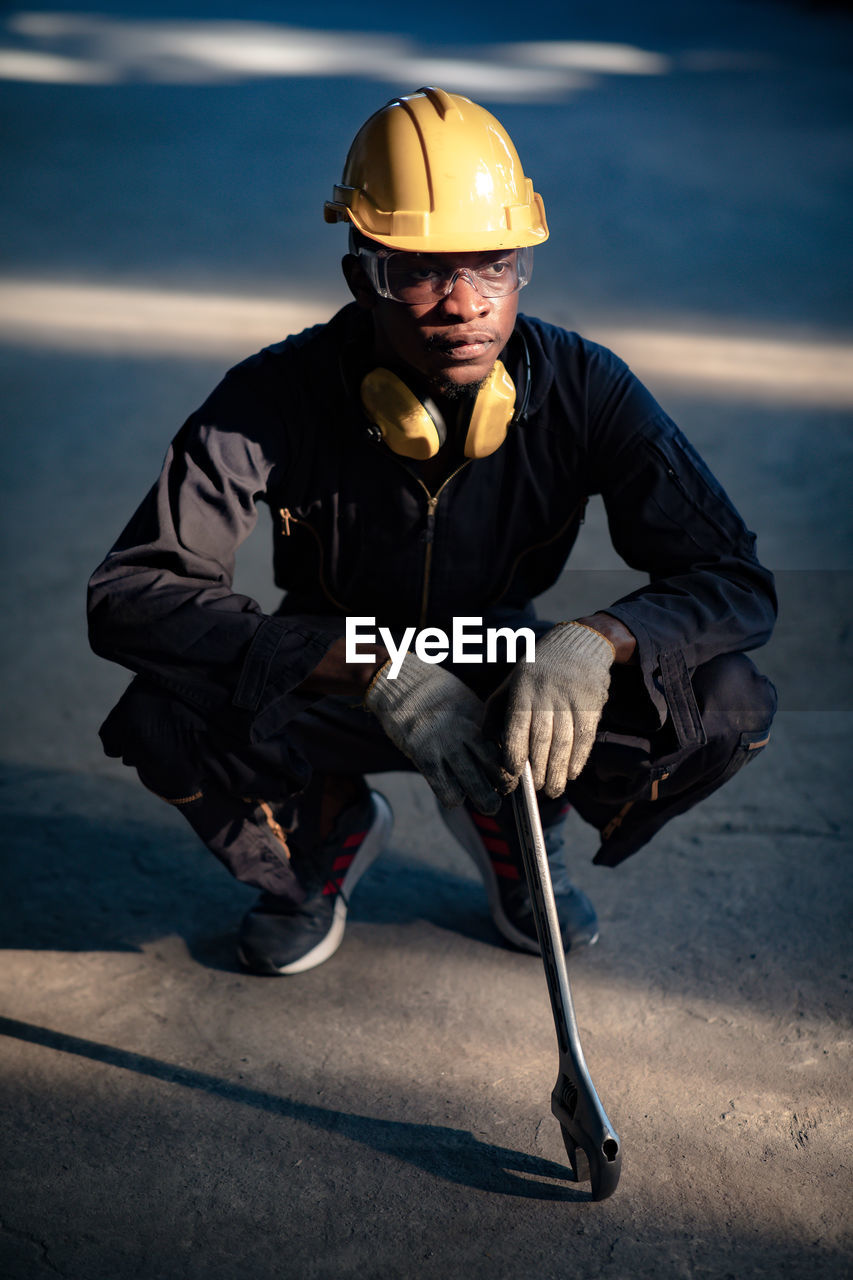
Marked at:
<point>429,535</point>
<point>287,519</point>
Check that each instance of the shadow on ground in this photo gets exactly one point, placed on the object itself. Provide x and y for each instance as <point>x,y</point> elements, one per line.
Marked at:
<point>89,868</point>
<point>446,1153</point>
<point>93,863</point>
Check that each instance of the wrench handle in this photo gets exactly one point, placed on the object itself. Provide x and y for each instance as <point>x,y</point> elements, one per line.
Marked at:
<point>574,1100</point>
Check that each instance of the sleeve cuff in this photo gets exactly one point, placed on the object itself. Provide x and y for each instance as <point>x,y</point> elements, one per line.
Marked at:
<point>647,658</point>
<point>283,652</point>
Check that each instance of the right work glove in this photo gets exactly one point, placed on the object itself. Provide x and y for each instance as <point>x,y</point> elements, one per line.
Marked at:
<point>435,720</point>
<point>551,707</point>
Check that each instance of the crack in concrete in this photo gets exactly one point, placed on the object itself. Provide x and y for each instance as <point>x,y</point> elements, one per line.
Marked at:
<point>33,1240</point>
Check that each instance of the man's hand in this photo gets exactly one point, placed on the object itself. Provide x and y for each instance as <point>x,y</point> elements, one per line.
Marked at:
<point>435,720</point>
<point>335,676</point>
<point>553,705</point>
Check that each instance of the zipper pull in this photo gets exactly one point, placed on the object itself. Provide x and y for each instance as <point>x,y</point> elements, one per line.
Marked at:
<point>432,503</point>
<point>286,517</point>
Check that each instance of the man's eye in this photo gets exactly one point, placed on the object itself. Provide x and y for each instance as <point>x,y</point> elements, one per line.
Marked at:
<point>412,273</point>
<point>495,270</point>
<point>418,274</point>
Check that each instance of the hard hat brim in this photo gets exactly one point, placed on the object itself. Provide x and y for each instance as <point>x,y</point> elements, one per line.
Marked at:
<point>428,239</point>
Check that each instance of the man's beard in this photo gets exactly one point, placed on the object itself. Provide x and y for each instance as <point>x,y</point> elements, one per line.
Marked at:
<point>456,391</point>
<point>446,387</point>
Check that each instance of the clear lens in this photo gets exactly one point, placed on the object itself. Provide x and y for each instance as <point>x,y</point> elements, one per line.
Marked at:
<point>416,278</point>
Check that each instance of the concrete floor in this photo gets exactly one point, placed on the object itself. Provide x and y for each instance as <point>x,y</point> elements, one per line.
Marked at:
<point>166,1117</point>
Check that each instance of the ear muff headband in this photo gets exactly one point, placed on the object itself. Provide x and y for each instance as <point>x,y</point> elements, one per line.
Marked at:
<point>415,428</point>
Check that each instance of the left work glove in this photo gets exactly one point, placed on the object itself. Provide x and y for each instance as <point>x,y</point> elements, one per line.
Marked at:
<point>553,705</point>
<point>434,719</point>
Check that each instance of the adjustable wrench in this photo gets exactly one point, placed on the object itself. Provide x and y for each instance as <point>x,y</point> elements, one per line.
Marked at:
<point>586,1129</point>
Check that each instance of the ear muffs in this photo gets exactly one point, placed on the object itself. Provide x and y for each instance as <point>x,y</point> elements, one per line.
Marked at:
<point>492,413</point>
<point>414,427</point>
<point>410,426</point>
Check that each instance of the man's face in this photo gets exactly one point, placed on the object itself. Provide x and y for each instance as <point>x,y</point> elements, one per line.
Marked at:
<point>454,341</point>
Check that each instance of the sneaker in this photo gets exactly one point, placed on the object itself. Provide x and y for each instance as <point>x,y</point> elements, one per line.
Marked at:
<point>278,937</point>
<point>492,842</point>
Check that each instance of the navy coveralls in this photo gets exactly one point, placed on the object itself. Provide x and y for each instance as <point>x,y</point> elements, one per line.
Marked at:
<point>214,721</point>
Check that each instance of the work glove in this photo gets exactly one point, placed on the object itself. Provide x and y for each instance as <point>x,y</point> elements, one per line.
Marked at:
<point>435,720</point>
<point>551,707</point>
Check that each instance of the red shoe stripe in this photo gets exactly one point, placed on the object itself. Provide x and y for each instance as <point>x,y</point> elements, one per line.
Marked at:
<point>484,822</point>
<point>342,861</point>
<point>507,870</point>
<point>497,844</point>
<point>330,888</point>
<point>353,841</point>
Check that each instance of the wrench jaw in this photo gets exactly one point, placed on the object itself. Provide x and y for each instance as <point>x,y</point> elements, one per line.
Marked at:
<point>593,1148</point>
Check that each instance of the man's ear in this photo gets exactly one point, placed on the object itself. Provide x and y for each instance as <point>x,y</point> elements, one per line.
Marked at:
<point>359,283</point>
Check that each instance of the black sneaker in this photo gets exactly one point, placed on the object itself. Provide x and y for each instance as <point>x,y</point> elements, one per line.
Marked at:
<point>493,844</point>
<point>277,937</point>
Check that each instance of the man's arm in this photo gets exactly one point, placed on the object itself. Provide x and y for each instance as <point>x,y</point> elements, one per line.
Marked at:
<point>334,676</point>
<point>707,594</point>
<point>669,517</point>
<point>162,602</point>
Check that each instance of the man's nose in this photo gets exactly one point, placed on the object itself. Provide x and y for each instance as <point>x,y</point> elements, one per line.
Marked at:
<point>463,296</point>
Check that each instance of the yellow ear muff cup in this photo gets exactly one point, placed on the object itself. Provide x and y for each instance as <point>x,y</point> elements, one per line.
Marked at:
<point>491,415</point>
<point>406,426</point>
<point>409,429</point>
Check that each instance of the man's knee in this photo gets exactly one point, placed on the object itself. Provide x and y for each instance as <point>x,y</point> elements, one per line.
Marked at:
<point>733,697</point>
<point>179,754</point>
<point>160,737</point>
<point>736,704</point>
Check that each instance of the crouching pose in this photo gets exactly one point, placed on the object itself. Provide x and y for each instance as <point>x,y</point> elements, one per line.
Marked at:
<point>427,456</point>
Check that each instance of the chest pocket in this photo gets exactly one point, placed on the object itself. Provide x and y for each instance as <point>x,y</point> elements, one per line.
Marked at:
<point>336,555</point>
<point>301,556</point>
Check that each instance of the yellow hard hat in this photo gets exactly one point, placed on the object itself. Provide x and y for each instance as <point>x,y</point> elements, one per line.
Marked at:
<point>433,172</point>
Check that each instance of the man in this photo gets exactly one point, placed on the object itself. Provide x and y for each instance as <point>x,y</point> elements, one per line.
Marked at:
<point>427,456</point>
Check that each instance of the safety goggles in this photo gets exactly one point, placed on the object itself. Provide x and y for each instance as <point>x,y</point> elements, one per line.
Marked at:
<point>417,278</point>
